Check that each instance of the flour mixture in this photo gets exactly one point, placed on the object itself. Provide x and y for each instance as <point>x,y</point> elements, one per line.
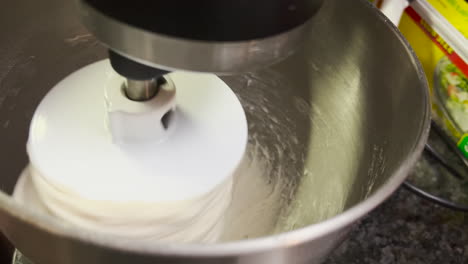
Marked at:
<point>196,220</point>
<point>103,162</point>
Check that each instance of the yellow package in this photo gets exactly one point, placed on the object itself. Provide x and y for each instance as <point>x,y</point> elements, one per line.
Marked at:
<point>446,72</point>
<point>455,11</point>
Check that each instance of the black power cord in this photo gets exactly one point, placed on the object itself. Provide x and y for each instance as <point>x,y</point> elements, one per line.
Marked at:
<point>436,199</point>
<point>442,161</point>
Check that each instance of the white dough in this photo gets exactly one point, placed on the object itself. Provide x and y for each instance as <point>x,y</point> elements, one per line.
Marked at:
<point>175,188</point>
<point>195,220</point>
<point>71,143</point>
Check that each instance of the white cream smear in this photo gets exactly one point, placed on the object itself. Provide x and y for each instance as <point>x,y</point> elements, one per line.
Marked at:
<point>247,205</point>
<point>196,220</point>
<point>177,188</point>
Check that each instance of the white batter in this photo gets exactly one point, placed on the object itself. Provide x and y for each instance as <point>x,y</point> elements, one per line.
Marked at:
<point>91,166</point>
<point>196,220</point>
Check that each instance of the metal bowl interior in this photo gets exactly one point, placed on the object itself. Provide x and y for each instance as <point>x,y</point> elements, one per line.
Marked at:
<point>336,127</point>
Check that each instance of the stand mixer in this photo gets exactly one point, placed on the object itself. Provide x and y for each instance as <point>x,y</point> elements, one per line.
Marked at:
<point>146,40</point>
<point>168,143</point>
<point>300,76</point>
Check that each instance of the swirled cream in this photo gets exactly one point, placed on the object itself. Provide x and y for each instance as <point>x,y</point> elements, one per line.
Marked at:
<point>105,163</point>
<point>195,220</point>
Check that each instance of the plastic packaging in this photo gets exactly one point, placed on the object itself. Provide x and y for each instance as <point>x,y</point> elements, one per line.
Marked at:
<point>437,31</point>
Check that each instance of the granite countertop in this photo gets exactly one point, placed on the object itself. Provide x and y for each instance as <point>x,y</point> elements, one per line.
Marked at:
<point>410,229</point>
<point>406,229</point>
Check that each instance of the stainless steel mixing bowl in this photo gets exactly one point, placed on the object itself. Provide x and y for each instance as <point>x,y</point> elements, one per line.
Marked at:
<point>337,127</point>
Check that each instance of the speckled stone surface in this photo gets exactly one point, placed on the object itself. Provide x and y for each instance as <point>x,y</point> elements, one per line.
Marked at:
<point>406,229</point>
<point>409,229</point>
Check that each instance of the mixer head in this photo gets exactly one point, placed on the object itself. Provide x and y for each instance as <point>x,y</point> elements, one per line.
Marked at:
<point>206,36</point>
<point>146,39</point>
